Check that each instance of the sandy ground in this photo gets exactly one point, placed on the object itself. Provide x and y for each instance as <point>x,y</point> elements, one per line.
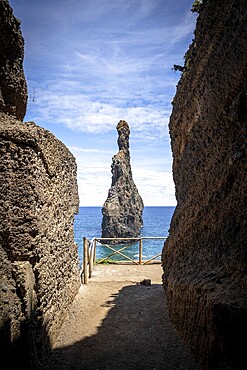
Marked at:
<point>116,323</point>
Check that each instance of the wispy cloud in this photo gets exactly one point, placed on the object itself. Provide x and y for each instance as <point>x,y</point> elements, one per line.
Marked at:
<point>82,115</point>
<point>155,187</point>
<point>118,68</point>
<point>90,64</point>
<point>88,150</point>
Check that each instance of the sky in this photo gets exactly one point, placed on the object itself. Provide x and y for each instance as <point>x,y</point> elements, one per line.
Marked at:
<point>89,64</point>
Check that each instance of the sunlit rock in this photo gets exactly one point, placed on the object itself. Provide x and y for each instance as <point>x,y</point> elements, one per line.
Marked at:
<point>122,210</point>
<point>204,258</point>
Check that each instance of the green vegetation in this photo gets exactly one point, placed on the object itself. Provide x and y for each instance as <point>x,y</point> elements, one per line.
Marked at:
<point>196,6</point>
<point>106,262</point>
<point>177,67</point>
<point>186,60</point>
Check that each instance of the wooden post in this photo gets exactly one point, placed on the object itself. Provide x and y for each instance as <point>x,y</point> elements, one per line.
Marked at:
<point>140,252</point>
<point>85,259</point>
<point>90,257</point>
<point>94,251</point>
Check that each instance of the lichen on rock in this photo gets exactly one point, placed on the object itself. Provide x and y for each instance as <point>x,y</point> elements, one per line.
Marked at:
<point>122,210</point>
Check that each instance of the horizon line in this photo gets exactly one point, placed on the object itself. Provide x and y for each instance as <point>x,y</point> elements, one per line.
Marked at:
<point>80,206</point>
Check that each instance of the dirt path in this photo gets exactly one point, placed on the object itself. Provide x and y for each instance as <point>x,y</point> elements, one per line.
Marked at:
<point>116,323</point>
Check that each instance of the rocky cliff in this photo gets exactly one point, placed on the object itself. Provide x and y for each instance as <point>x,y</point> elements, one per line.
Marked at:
<point>39,266</point>
<point>122,210</point>
<point>39,271</point>
<point>204,258</point>
<point>13,88</point>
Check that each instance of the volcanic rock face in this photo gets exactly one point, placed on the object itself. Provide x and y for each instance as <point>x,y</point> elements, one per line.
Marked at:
<point>39,266</point>
<point>122,210</point>
<point>13,88</point>
<point>205,256</point>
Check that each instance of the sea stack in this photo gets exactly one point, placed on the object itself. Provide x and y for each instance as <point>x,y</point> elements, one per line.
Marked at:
<point>122,210</point>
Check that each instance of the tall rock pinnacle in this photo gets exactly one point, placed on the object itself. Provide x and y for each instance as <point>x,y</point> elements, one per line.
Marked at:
<point>122,210</point>
<point>123,136</point>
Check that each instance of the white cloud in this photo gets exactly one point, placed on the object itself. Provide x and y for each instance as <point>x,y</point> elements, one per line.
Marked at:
<point>82,115</point>
<point>156,188</point>
<point>92,63</point>
<point>76,149</point>
<point>94,179</point>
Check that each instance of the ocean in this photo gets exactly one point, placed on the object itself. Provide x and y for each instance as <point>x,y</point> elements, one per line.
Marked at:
<point>156,223</point>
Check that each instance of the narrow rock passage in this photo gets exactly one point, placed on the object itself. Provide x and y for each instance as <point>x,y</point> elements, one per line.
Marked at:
<point>116,323</point>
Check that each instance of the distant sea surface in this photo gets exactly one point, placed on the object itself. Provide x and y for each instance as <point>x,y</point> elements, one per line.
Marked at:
<point>156,222</point>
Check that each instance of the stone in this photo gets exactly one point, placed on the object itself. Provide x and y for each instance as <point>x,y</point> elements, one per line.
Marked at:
<point>13,87</point>
<point>145,282</point>
<point>39,263</point>
<point>122,210</point>
<point>204,258</point>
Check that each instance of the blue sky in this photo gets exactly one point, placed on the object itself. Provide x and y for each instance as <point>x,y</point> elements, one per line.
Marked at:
<point>90,63</point>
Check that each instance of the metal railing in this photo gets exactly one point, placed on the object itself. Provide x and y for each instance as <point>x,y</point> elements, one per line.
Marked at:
<point>89,252</point>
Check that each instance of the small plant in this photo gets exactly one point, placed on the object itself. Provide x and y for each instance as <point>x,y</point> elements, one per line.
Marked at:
<point>186,60</point>
<point>177,67</point>
<point>196,6</point>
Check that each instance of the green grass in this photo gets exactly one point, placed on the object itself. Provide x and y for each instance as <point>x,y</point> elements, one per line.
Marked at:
<point>106,262</point>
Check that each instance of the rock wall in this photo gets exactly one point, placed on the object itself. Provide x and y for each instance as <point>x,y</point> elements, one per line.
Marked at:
<point>205,256</point>
<point>13,88</point>
<point>122,210</point>
<point>39,265</point>
<point>39,259</point>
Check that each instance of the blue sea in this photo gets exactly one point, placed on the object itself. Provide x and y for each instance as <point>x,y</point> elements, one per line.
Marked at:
<point>156,223</point>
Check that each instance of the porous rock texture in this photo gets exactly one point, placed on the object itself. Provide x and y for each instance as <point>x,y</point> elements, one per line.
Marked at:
<point>39,266</point>
<point>13,88</point>
<point>122,210</point>
<point>39,259</point>
<point>204,259</point>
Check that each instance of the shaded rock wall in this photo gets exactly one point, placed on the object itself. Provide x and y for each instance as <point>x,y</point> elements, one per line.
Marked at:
<point>205,256</point>
<point>13,88</point>
<point>122,210</point>
<point>39,266</point>
<point>39,260</point>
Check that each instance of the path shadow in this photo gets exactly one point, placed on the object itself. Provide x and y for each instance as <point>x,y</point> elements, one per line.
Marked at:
<point>136,334</point>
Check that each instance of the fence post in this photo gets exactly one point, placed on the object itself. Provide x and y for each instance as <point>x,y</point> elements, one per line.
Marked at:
<point>90,257</point>
<point>140,252</point>
<point>94,251</point>
<point>85,259</point>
